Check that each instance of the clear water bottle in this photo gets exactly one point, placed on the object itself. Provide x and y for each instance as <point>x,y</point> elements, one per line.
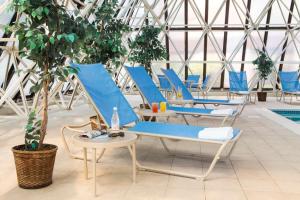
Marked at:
<point>115,122</point>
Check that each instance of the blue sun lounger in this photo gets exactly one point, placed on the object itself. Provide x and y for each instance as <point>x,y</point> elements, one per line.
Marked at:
<point>151,94</point>
<point>289,84</point>
<point>177,83</point>
<point>238,85</point>
<point>103,94</point>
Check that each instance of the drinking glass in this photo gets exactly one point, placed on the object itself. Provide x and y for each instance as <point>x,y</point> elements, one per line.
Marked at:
<point>179,93</point>
<point>163,106</point>
<point>155,107</point>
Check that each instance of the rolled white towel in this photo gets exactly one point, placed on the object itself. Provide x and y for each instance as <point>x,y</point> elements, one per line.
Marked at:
<point>243,92</point>
<point>222,112</point>
<point>222,133</point>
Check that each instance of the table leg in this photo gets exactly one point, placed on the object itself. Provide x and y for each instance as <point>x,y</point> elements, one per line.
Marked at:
<point>94,170</point>
<point>85,163</point>
<point>133,163</point>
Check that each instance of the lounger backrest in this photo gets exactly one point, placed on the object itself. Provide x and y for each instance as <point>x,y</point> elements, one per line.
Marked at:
<point>163,82</point>
<point>205,82</point>
<point>289,81</point>
<point>145,84</point>
<point>192,81</point>
<point>177,83</point>
<point>238,81</point>
<point>104,93</point>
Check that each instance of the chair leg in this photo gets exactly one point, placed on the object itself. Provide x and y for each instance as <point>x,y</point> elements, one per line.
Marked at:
<point>182,174</point>
<point>186,121</point>
<point>215,160</point>
<point>166,147</point>
<point>224,120</point>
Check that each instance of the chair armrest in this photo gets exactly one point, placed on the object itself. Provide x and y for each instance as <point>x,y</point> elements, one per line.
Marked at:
<point>76,128</point>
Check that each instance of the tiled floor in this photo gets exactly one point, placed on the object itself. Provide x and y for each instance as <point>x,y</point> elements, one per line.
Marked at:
<point>265,164</point>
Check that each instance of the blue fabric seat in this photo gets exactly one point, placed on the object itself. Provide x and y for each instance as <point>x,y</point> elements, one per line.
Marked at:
<point>238,81</point>
<point>171,130</point>
<point>192,81</point>
<point>164,83</point>
<point>289,81</point>
<point>177,83</point>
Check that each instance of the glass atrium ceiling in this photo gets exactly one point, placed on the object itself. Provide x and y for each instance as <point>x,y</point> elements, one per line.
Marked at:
<point>203,37</point>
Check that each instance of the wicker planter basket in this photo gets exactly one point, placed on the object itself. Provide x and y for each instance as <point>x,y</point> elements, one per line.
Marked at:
<point>34,168</point>
<point>262,96</point>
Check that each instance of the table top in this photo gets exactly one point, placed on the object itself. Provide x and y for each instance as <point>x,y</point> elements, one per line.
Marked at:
<point>105,142</point>
<point>149,113</point>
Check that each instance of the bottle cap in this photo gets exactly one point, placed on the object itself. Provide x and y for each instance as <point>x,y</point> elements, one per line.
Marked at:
<point>115,108</point>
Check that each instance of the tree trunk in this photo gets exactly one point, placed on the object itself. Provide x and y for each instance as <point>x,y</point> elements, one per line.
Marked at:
<point>45,110</point>
<point>148,69</point>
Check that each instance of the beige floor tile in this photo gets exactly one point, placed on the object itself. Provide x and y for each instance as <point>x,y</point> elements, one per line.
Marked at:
<point>255,195</point>
<point>292,196</point>
<point>152,179</point>
<point>259,185</point>
<point>252,174</point>
<point>180,194</point>
<point>137,192</point>
<point>222,173</point>
<point>222,184</point>
<point>224,195</point>
<point>182,182</point>
<point>289,186</point>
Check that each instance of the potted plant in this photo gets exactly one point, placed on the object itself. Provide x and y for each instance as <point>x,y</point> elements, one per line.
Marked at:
<point>147,47</point>
<point>105,42</point>
<point>46,36</point>
<point>264,66</point>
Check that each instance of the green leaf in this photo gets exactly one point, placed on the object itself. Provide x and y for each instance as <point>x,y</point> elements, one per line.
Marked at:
<point>33,14</point>
<point>29,34</point>
<point>71,37</point>
<point>32,45</point>
<point>59,37</point>
<point>46,10</point>
<point>52,40</point>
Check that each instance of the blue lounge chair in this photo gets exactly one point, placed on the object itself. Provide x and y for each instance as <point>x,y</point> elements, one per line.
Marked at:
<point>151,94</point>
<point>192,81</point>
<point>103,94</point>
<point>177,83</point>
<point>289,84</point>
<point>164,85</point>
<point>238,85</point>
<point>205,82</point>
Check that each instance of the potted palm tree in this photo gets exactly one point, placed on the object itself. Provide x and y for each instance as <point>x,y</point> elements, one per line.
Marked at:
<point>264,66</point>
<point>147,47</point>
<point>46,36</point>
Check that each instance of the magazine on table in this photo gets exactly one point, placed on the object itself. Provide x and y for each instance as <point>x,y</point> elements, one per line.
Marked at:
<point>94,134</point>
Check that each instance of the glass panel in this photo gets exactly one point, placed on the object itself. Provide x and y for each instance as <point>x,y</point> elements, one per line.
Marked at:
<point>236,16</point>
<point>276,16</point>
<point>257,8</point>
<point>213,10</point>
<point>235,45</point>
